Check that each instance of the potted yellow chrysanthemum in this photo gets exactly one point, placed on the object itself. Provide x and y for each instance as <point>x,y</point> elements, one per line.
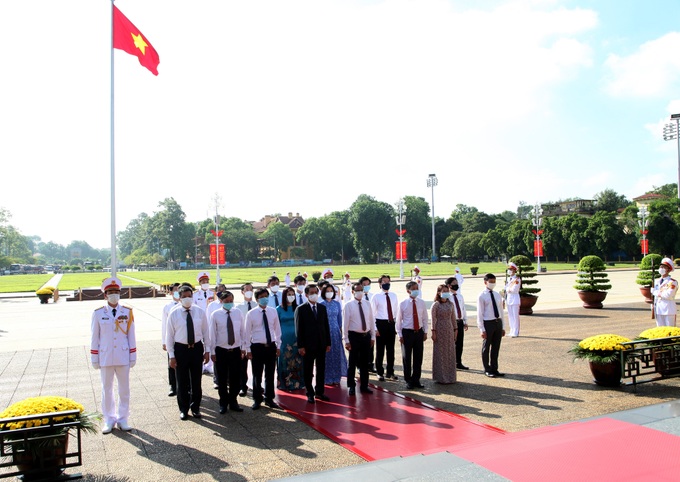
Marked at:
<point>603,353</point>
<point>44,294</point>
<point>37,431</point>
<point>665,357</point>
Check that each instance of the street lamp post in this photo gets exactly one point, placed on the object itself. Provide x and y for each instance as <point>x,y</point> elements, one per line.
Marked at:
<point>536,216</point>
<point>671,132</point>
<point>643,223</point>
<point>401,220</point>
<point>432,181</point>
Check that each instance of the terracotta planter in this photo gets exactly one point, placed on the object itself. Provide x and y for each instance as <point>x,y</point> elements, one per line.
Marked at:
<point>43,463</point>
<point>592,299</point>
<point>606,374</point>
<point>44,299</point>
<point>647,293</point>
<point>526,304</point>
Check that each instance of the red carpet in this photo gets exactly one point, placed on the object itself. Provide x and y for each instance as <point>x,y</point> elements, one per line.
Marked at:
<point>385,424</point>
<point>602,449</point>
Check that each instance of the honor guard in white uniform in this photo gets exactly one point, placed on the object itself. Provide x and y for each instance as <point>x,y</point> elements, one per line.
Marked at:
<point>416,277</point>
<point>512,299</point>
<point>347,289</point>
<point>204,295</point>
<point>459,277</point>
<point>113,351</point>
<point>664,292</point>
<point>327,274</point>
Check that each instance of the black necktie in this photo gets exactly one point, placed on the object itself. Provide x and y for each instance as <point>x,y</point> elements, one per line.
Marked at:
<point>366,296</point>
<point>266,327</point>
<point>230,330</point>
<point>191,337</point>
<point>495,306</point>
<point>363,318</point>
<point>300,295</point>
<point>314,310</point>
<point>249,307</point>
<point>276,300</point>
<point>114,312</point>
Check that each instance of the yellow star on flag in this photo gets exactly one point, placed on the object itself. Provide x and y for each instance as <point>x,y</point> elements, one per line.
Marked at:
<point>139,42</point>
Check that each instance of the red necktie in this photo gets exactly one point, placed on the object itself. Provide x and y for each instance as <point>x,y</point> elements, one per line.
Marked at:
<point>460,315</point>
<point>416,325</point>
<point>390,316</point>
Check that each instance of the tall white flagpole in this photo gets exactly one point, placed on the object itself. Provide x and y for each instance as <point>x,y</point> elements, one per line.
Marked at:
<point>114,261</point>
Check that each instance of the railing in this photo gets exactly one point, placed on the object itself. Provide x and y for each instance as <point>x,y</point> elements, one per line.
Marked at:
<point>658,357</point>
<point>52,455</point>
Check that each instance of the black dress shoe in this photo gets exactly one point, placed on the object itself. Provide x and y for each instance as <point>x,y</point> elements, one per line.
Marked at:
<point>242,393</point>
<point>352,391</point>
<point>323,398</point>
<point>499,374</point>
<point>235,408</point>
<point>462,367</point>
<point>310,399</point>
<point>196,414</point>
<point>409,386</point>
<point>367,391</point>
<point>271,404</point>
<point>256,405</point>
<point>183,415</point>
<point>223,409</point>
<point>419,385</point>
<point>490,375</point>
<point>392,377</point>
<point>172,393</point>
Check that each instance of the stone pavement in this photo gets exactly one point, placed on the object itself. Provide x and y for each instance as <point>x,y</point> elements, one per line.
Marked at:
<point>44,350</point>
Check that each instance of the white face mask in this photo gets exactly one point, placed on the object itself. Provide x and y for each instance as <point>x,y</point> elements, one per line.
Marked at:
<point>301,288</point>
<point>313,297</point>
<point>205,286</point>
<point>358,295</point>
<point>330,280</point>
<point>274,288</point>
<point>248,295</point>
<point>511,272</point>
<point>113,298</point>
<point>329,295</point>
<point>491,285</point>
<point>290,298</point>
<point>662,271</point>
<point>187,302</point>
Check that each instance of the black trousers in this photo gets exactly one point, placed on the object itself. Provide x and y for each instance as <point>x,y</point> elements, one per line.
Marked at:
<point>264,358</point>
<point>244,374</point>
<point>172,378</point>
<point>385,343</point>
<point>412,354</point>
<point>459,341</point>
<point>228,371</point>
<point>189,372</point>
<point>491,346</point>
<point>359,357</point>
<point>311,357</point>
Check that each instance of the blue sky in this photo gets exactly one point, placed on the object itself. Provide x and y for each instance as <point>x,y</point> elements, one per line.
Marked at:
<point>300,106</point>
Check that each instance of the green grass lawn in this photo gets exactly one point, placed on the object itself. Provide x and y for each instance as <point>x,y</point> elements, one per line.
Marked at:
<point>236,276</point>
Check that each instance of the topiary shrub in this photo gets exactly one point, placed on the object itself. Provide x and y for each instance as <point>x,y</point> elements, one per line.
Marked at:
<point>316,275</point>
<point>591,275</point>
<point>526,272</point>
<point>648,270</point>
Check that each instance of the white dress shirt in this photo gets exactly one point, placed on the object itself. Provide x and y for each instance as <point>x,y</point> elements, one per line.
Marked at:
<point>272,297</point>
<point>177,328</point>
<point>405,315</point>
<point>461,304</point>
<point>379,305</point>
<point>202,298</point>
<point>243,307</point>
<point>255,332</point>
<point>485,309</point>
<point>164,318</point>
<point>351,319</point>
<point>219,335</point>
<point>212,308</point>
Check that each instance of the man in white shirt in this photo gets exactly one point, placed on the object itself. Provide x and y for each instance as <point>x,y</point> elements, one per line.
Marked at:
<point>172,379</point>
<point>263,342</point>
<point>491,324</point>
<point>384,306</point>
<point>274,295</point>
<point>461,319</point>
<point>412,328</point>
<point>247,305</point>
<point>188,341</point>
<point>358,333</point>
<point>227,337</point>
<point>300,285</point>
<point>365,282</point>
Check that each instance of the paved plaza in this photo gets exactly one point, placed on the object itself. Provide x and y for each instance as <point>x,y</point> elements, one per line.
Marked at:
<point>44,350</point>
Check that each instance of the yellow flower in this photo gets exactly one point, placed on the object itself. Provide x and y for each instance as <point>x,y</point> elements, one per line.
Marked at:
<point>606,342</point>
<point>36,406</point>
<point>660,332</point>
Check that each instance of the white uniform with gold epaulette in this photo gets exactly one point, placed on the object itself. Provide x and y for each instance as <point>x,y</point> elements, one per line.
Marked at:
<point>203,298</point>
<point>512,302</point>
<point>114,349</point>
<point>664,300</point>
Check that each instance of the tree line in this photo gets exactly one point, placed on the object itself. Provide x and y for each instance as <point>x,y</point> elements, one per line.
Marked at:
<point>366,232</point>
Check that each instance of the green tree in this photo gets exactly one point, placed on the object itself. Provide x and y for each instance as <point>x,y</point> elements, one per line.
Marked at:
<point>372,223</point>
<point>469,246</point>
<point>278,237</point>
<point>168,230</point>
<point>668,190</point>
<point>610,200</point>
<point>604,233</point>
<point>664,227</point>
<point>418,225</point>
<point>495,241</point>
<point>448,246</point>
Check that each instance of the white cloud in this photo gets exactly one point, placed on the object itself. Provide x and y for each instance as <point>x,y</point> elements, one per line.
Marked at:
<point>651,71</point>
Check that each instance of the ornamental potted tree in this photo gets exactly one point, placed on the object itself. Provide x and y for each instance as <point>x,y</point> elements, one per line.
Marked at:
<point>592,282</point>
<point>527,292</point>
<point>603,353</point>
<point>647,274</point>
<point>44,294</point>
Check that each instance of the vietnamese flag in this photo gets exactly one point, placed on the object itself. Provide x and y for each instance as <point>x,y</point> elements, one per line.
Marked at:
<point>127,37</point>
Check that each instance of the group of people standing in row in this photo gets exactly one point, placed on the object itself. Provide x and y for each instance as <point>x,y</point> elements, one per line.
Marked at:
<point>300,336</point>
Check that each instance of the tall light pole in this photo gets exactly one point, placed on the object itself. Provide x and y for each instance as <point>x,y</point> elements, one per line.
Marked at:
<point>643,222</point>
<point>672,132</point>
<point>432,181</point>
<point>401,220</point>
<point>217,203</point>
<point>536,216</point>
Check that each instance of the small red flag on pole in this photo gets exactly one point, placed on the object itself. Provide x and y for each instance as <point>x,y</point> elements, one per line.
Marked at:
<point>128,38</point>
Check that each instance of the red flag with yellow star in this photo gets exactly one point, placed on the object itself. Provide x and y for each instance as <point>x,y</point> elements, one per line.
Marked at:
<point>128,38</point>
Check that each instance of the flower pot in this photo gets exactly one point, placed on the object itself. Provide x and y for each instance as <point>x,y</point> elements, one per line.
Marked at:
<point>474,271</point>
<point>647,293</point>
<point>44,299</point>
<point>44,462</point>
<point>526,304</point>
<point>606,374</point>
<point>592,299</point>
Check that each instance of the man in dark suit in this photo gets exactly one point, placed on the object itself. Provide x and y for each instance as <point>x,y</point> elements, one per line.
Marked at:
<point>314,340</point>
